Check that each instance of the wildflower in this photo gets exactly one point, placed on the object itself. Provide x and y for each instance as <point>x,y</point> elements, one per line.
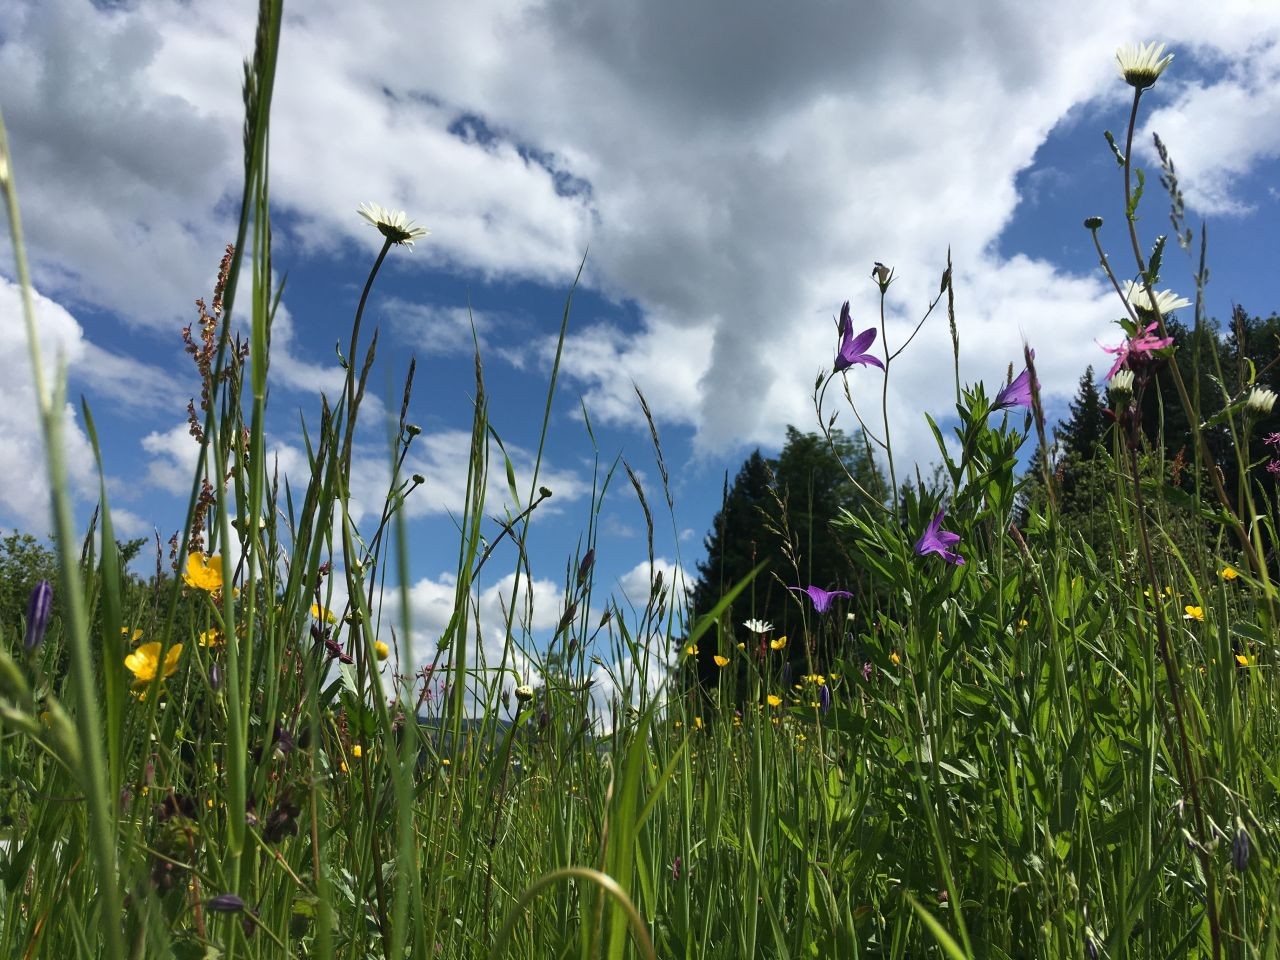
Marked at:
<point>203,573</point>
<point>697,722</point>
<point>130,636</point>
<point>816,679</point>
<point>1192,612</point>
<point>1092,223</point>
<point>381,650</point>
<point>853,349</point>
<point>894,658</point>
<point>824,698</point>
<point>396,227</point>
<point>883,276</point>
<point>320,613</point>
<point>774,700</point>
<point>224,903</point>
<point>1120,386</point>
<point>821,598</point>
<point>691,649</point>
<point>357,751</point>
<point>1141,65</point>
<point>1272,440</point>
<point>758,626</point>
<point>144,663</point>
<point>1136,295</point>
<point>1017,393</point>
<point>1229,573</point>
<point>675,869</point>
<point>1240,848</point>
<point>1260,401</point>
<point>584,566</point>
<point>211,637</point>
<point>721,661</point>
<point>939,541</point>
<point>1137,348</point>
<point>524,693</point>
<point>866,670</point>
<point>778,643</point>
<point>38,609</point>
<point>1244,660</point>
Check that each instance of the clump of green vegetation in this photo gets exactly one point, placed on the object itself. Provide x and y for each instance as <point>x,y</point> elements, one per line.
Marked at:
<point>998,716</point>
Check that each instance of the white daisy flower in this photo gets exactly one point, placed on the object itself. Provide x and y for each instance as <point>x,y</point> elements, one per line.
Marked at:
<point>393,225</point>
<point>1166,300</point>
<point>1261,400</point>
<point>758,626</point>
<point>1142,64</point>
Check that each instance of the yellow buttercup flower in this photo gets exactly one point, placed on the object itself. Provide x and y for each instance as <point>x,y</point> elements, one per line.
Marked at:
<point>1229,573</point>
<point>721,661</point>
<point>211,638</point>
<point>778,644</point>
<point>320,613</point>
<point>203,573</point>
<point>357,752</point>
<point>775,700</point>
<point>894,658</point>
<point>1245,661</point>
<point>130,636</point>
<point>1192,612</point>
<point>691,649</point>
<point>381,650</point>
<point>144,663</point>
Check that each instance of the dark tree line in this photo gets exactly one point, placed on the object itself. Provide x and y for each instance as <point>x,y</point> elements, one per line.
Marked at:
<point>780,510</point>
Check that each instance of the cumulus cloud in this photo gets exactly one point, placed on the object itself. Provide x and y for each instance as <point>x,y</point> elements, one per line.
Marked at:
<point>734,177</point>
<point>127,383</point>
<point>1218,132</point>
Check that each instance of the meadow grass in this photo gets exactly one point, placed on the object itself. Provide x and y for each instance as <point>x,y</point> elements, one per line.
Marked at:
<point>1048,750</point>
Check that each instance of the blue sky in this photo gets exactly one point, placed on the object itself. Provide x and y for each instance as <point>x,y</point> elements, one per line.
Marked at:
<point>730,171</point>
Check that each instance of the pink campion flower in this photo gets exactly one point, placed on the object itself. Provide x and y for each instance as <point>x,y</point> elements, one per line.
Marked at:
<point>939,541</point>
<point>1139,347</point>
<point>854,349</point>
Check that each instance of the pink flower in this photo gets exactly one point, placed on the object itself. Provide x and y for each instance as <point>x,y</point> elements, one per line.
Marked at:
<point>1139,347</point>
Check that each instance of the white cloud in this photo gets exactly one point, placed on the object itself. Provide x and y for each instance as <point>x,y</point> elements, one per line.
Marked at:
<point>1217,132</point>
<point>734,177</point>
<point>24,484</point>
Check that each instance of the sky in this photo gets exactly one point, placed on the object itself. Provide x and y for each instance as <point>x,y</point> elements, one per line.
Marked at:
<point>726,175</point>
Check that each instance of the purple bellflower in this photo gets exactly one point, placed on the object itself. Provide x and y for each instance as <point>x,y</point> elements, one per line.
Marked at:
<point>853,349</point>
<point>38,609</point>
<point>821,598</point>
<point>939,541</point>
<point>1017,393</point>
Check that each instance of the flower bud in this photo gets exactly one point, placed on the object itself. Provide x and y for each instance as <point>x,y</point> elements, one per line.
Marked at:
<point>381,650</point>
<point>1240,848</point>
<point>38,609</point>
<point>1092,223</point>
<point>524,693</point>
<point>882,275</point>
<point>224,903</point>
<point>412,430</point>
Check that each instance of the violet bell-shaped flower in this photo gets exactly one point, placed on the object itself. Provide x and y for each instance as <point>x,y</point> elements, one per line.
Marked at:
<point>854,349</point>
<point>1017,393</point>
<point>821,598</point>
<point>939,541</point>
<point>38,609</point>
